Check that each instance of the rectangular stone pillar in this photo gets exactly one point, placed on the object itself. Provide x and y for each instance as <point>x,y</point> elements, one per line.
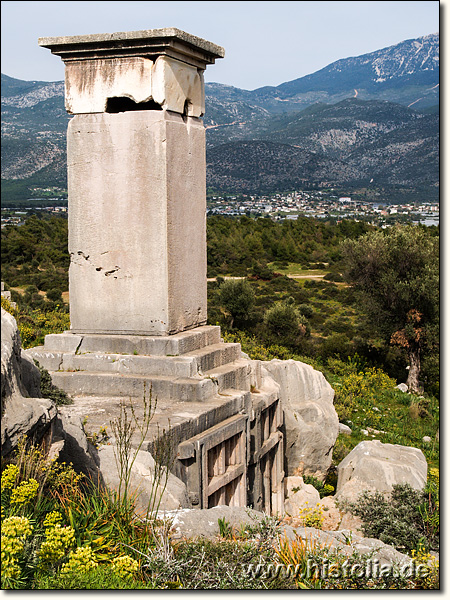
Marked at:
<point>136,180</point>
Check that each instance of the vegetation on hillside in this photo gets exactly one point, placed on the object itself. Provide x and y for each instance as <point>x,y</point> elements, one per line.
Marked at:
<point>396,276</point>
<point>59,532</point>
<point>278,303</point>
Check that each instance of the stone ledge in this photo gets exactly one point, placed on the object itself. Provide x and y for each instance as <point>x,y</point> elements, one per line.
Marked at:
<point>164,345</point>
<point>149,42</point>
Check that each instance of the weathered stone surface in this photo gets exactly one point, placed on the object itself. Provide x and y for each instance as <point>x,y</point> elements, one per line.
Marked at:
<point>172,84</point>
<point>193,523</point>
<point>311,421</point>
<point>178,87</point>
<point>332,516</point>
<point>168,41</point>
<point>198,339</point>
<point>351,523</point>
<point>173,496</point>
<point>346,542</point>
<point>138,278</point>
<point>372,466</point>
<point>21,415</point>
<point>89,85</point>
<point>31,377</point>
<point>76,448</point>
<point>299,495</point>
<point>345,429</point>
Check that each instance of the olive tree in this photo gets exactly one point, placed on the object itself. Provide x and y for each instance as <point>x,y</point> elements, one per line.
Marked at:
<point>396,272</point>
<point>237,297</point>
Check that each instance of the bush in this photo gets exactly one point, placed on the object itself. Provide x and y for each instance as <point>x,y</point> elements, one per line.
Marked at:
<point>323,488</point>
<point>55,295</point>
<point>49,390</point>
<point>306,310</point>
<point>284,321</point>
<point>333,277</point>
<point>337,345</point>
<point>409,520</point>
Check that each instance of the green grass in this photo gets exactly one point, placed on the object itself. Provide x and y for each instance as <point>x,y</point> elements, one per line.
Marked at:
<point>296,269</point>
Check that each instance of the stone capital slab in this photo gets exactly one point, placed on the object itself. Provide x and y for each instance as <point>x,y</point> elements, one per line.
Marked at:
<point>149,43</point>
<point>104,72</point>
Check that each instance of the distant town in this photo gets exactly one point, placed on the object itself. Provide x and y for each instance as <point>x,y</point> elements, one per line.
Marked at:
<point>314,204</point>
<point>323,205</point>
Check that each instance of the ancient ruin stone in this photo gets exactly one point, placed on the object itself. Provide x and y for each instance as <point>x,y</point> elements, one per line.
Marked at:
<point>311,421</point>
<point>136,180</point>
<point>374,466</point>
<point>173,496</point>
<point>299,495</point>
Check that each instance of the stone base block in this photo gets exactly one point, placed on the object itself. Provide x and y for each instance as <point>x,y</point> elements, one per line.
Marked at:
<point>170,345</point>
<point>135,386</point>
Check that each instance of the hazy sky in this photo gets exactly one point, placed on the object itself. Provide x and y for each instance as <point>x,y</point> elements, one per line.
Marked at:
<point>266,43</point>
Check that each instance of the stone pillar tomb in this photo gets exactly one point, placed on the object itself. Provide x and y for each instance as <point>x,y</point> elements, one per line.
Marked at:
<point>137,242</point>
<point>136,180</point>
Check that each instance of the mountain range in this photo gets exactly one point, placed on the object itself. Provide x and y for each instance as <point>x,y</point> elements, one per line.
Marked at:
<point>369,123</point>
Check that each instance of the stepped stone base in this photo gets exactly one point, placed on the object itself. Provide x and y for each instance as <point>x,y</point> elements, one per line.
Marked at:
<point>225,426</point>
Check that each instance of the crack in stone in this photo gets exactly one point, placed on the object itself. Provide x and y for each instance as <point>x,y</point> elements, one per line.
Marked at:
<point>74,259</point>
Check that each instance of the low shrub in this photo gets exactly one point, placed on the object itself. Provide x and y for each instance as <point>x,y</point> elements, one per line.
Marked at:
<point>408,520</point>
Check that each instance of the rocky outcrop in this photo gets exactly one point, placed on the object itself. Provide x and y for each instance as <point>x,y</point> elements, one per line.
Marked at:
<point>332,516</point>
<point>70,444</point>
<point>24,412</point>
<point>374,466</point>
<point>310,419</point>
<point>195,523</point>
<point>204,523</point>
<point>348,543</point>
<point>171,493</point>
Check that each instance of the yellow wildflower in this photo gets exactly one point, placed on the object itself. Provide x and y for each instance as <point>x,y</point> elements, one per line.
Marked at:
<point>15,530</point>
<point>52,519</point>
<point>125,566</point>
<point>57,542</point>
<point>25,492</point>
<point>81,560</point>
<point>9,476</point>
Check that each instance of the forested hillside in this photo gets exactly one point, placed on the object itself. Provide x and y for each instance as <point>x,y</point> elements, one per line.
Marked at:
<point>298,263</point>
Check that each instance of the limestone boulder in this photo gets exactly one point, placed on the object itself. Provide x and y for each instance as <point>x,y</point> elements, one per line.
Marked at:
<point>299,495</point>
<point>204,523</point>
<point>24,412</point>
<point>173,495</point>
<point>374,466</point>
<point>348,543</point>
<point>403,387</point>
<point>310,419</point>
<point>332,516</point>
<point>351,523</point>
<point>344,429</point>
<point>70,444</point>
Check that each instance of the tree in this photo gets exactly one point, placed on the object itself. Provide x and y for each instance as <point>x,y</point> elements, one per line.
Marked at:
<point>396,273</point>
<point>284,321</point>
<point>237,298</point>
